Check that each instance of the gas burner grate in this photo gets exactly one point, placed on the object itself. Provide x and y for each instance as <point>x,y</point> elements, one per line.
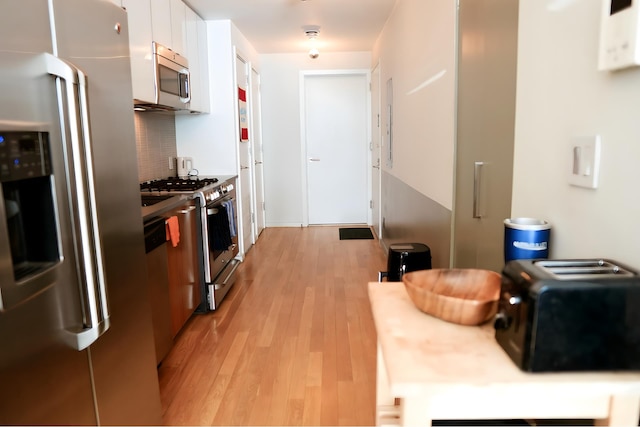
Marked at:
<point>177,184</point>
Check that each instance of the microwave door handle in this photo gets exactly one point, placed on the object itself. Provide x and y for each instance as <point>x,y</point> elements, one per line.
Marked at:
<point>88,244</point>
<point>184,76</point>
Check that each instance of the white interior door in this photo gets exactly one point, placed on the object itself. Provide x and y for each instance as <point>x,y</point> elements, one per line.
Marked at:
<point>376,204</point>
<point>336,136</point>
<point>244,155</point>
<point>258,169</point>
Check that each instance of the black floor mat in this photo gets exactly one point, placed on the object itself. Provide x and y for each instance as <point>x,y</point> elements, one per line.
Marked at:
<point>355,233</point>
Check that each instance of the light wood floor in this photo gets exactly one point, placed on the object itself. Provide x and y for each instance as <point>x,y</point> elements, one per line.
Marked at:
<point>293,343</point>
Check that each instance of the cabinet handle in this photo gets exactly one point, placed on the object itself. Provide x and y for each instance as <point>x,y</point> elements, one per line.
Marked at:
<point>477,183</point>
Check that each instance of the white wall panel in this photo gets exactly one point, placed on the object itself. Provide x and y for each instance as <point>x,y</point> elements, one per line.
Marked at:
<point>561,95</point>
<point>280,76</point>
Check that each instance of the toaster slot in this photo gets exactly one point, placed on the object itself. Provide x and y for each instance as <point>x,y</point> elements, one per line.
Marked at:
<point>583,269</point>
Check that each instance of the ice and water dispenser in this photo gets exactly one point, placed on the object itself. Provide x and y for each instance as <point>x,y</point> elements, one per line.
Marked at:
<point>29,243</point>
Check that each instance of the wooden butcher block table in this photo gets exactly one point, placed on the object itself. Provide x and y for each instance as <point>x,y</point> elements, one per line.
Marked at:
<point>435,370</point>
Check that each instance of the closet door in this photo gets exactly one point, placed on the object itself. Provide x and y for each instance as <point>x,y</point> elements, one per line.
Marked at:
<point>487,47</point>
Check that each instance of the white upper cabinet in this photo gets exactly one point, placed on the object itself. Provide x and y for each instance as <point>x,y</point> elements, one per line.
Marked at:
<point>203,55</point>
<point>176,26</point>
<point>192,57</point>
<point>161,22</point>
<point>140,38</point>
<point>198,62</point>
<point>179,27</point>
<point>168,20</point>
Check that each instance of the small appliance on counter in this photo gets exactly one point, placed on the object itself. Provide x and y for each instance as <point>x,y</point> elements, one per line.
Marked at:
<point>405,257</point>
<point>570,315</point>
<point>184,166</point>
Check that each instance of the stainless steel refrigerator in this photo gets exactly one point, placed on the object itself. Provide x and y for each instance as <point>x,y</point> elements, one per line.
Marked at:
<point>76,341</point>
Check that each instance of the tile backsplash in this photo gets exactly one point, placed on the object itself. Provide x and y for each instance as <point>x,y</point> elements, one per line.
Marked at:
<point>155,143</point>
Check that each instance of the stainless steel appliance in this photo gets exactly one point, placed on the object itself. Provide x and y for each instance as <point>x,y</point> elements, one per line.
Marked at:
<point>155,244</point>
<point>218,237</point>
<point>75,324</point>
<point>570,315</point>
<point>172,79</point>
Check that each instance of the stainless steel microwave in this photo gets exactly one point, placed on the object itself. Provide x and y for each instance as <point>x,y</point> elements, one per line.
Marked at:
<point>172,78</point>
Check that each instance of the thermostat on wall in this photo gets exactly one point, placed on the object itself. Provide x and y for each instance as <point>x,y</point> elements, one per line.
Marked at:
<point>619,34</point>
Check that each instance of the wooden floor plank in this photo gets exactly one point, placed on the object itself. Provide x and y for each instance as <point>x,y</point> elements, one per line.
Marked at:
<point>293,343</point>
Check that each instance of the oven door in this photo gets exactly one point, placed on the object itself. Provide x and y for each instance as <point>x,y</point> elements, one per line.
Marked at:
<point>222,247</point>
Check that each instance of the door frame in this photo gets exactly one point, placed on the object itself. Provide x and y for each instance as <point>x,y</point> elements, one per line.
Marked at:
<point>239,55</point>
<point>256,129</point>
<point>376,104</point>
<point>303,134</point>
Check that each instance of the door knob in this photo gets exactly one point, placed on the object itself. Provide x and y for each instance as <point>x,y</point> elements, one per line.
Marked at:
<point>314,159</point>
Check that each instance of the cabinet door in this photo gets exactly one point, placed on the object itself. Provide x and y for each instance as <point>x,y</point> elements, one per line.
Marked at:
<point>178,27</point>
<point>140,49</point>
<point>184,274</point>
<point>116,2</point>
<point>485,131</point>
<point>194,62</point>
<point>203,60</point>
<point>161,22</point>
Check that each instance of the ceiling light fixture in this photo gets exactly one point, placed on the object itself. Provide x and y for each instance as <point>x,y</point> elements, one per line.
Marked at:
<point>312,32</point>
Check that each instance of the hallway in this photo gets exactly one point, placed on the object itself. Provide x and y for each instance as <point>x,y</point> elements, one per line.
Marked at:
<point>293,343</point>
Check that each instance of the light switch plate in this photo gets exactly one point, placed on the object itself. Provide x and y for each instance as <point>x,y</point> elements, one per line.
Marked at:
<point>585,161</point>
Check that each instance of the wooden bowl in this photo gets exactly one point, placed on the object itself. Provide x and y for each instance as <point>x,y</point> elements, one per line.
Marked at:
<point>462,296</point>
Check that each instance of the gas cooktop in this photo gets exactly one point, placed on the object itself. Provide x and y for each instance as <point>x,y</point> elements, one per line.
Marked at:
<point>177,184</point>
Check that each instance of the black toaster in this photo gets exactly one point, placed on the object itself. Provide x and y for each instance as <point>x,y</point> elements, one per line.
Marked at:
<point>570,315</point>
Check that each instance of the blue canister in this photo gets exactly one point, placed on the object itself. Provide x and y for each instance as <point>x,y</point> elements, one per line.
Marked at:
<point>526,238</point>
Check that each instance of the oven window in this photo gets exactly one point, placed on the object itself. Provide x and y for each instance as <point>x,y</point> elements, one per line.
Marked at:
<point>169,81</point>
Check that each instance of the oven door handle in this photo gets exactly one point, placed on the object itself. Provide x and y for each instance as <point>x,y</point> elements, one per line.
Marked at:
<point>232,270</point>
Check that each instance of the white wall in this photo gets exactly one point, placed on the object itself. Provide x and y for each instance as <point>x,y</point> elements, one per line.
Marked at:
<point>417,50</point>
<point>561,95</point>
<point>211,138</point>
<point>280,74</point>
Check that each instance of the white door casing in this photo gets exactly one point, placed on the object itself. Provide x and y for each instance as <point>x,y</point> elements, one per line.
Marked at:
<point>245,163</point>
<point>258,158</point>
<point>376,175</point>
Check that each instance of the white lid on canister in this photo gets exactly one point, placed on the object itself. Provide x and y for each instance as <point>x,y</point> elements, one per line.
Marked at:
<point>527,224</point>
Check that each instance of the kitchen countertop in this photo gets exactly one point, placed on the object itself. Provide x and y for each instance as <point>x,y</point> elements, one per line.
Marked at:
<point>441,370</point>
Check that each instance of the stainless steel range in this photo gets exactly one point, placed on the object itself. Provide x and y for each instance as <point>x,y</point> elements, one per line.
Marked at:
<point>218,237</point>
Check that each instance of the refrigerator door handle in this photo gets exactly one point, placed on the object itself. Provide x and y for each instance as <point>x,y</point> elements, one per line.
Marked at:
<point>477,185</point>
<point>80,170</point>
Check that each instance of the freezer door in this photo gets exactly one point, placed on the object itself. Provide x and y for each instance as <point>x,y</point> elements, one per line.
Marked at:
<point>93,35</point>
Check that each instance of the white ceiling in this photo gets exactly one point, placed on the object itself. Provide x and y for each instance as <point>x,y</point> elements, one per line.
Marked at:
<point>276,26</point>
